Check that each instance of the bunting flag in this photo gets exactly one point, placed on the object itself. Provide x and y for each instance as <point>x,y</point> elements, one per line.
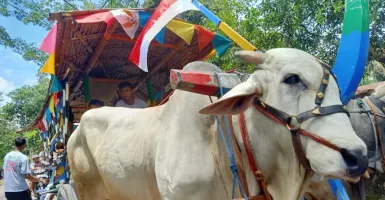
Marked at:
<point>49,43</point>
<point>221,44</point>
<point>48,116</point>
<point>143,19</point>
<point>44,120</point>
<point>165,12</point>
<point>182,29</point>
<point>55,85</point>
<point>128,19</point>
<point>41,126</point>
<point>204,37</point>
<point>51,105</point>
<point>49,66</point>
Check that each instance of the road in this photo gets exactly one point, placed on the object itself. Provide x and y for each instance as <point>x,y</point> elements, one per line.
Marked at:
<point>2,197</point>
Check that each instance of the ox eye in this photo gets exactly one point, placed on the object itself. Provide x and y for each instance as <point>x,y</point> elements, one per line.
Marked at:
<point>293,79</point>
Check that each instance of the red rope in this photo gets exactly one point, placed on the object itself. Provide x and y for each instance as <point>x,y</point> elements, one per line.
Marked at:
<point>166,99</point>
<point>250,156</point>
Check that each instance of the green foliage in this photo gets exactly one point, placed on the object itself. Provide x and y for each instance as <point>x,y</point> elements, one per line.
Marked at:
<point>26,102</point>
<point>28,50</point>
<point>23,107</point>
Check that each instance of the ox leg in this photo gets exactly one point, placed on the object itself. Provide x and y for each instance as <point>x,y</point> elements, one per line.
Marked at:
<point>88,182</point>
<point>90,190</point>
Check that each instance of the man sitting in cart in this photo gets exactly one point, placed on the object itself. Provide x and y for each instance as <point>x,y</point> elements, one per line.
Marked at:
<point>95,103</point>
<point>127,98</point>
<point>37,167</point>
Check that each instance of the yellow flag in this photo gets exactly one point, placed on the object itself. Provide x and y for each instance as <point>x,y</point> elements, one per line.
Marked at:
<point>61,121</point>
<point>60,170</point>
<point>52,105</point>
<point>49,66</point>
<point>182,29</point>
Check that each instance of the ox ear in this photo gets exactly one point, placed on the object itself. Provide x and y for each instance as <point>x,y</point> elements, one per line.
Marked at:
<point>236,101</point>
<point>253,57</point>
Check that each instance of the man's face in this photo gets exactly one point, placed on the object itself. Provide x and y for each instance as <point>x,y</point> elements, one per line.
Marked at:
<point>36,160</point>
<point>125,93</point>
<point>92,106</point>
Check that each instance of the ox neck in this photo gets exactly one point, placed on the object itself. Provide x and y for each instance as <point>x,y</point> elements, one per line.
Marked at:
<point>284,176</point>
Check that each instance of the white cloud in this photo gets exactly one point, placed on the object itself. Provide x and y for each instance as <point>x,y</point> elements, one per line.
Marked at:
<point>30,81</point>
<point>7,71</point>
<point>6,86</point>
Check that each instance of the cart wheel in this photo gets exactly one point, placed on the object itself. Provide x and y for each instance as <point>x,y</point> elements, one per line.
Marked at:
<point>67,192</point>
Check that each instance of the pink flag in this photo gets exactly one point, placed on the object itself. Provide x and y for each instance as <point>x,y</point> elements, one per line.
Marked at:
<point>49,43</point>
<point>165,12</point>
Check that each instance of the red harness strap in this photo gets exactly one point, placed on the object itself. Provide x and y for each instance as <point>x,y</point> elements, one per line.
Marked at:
<point>249,152</point>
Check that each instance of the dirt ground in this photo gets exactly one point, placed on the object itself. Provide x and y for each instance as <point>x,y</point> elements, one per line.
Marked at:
<point>2,197</point>
<point>375,187</point>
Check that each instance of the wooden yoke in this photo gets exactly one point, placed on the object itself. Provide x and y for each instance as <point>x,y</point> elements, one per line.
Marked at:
<point>203,82</point>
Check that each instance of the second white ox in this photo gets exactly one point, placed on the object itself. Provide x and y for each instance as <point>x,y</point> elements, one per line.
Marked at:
<point>173,152</point>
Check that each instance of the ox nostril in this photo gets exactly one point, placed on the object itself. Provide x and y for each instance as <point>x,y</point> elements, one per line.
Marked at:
<point>356,162</point>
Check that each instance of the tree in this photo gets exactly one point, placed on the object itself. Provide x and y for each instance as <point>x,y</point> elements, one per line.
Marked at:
<point>26,102</point>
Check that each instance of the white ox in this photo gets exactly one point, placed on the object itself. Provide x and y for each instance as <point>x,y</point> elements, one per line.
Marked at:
<point>173,152</point>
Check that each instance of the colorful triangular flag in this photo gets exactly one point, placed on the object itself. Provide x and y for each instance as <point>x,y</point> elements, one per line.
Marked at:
<point>143,19</point>
<point>49,66</point>
<point>182,29</point>
<point>55,85</point>
<point>128,19</point>
<point>49,42</point>
<point>221,44</point>
<point>204,37</point>
<point>163,14</point>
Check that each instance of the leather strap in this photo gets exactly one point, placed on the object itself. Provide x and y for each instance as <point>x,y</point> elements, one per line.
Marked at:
<point>285,119</point>
<point>316,112</point>
<point>311,197</point>
<point>299,150</point>
<point>371,98</point>
<point>238,158</point>
<point>321,111</point>
<point>379,104</point>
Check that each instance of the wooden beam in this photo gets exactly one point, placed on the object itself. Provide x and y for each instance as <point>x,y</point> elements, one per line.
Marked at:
<point>100,47</point>
<point>153,43</point>
<point>166,58</point>
<point>75,29</point>
<point>87,37</point>
<point>62,45</point>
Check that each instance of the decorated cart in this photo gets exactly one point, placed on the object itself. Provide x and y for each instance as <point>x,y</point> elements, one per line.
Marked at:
<point>92,51</point>
<point>89,58</point>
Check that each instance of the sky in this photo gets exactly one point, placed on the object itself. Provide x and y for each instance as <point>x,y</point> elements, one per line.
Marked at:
<point>14,70</point>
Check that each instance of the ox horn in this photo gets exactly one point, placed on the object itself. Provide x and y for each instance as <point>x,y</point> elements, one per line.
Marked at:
<point>254,57</point>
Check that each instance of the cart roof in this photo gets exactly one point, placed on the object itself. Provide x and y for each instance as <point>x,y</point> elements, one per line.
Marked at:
<point>103,52</point>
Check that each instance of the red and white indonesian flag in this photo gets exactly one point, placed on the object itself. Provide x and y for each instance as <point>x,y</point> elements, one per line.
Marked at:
<point>128,19</point>
<point>165,12</point>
